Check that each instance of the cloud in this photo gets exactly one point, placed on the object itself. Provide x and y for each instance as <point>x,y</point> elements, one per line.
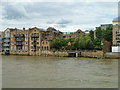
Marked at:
<point>61,15</point>
<point>60,25</point>
<point>63,21</point>
<point>14,11</point>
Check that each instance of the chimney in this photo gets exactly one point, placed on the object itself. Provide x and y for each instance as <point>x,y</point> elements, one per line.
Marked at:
<point>23,29</point>
<point>15,28</point>
<point>29,29</point>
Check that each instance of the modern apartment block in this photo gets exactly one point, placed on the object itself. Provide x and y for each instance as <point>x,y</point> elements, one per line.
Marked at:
<point>116,32</point>
<point>6,41</point>
<point>1,36</point>
<point>116,35</point>
<point>19,40</point>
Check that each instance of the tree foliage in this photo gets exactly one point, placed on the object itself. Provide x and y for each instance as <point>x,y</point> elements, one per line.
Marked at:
<point>91,34</point>
<point>97,44</point>
<point>59,42</point>
<point>84,43</point>
<point>99,33</point>
<point>107,34</point>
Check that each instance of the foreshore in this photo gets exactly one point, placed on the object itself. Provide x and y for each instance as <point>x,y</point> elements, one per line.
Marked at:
<point>85,54</point>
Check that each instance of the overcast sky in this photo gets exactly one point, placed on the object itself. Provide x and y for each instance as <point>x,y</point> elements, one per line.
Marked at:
<point>64,16</point>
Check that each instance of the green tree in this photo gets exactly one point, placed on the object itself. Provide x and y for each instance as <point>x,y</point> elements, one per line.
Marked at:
<point>59,42</point>
<point>84,43</point>
<point>107,34</point>
<point>99,33</point>
<point>97,44</point>
<point>91,34</point>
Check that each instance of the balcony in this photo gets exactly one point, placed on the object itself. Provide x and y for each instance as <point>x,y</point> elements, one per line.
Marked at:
<point>19,39</point>
<point>7,37</point>
<point>118,39</point>
<point>35,35</point>
<point>6,40</point>
<point>19,44</point>
<point>34,39</point>
<point>6,49</point>
<point>19,35</point>
<point>34,43</point>
<point>6,44</point>
<point>118,33</point>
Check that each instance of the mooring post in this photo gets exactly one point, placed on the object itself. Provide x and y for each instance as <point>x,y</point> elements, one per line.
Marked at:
<point>76,54</point>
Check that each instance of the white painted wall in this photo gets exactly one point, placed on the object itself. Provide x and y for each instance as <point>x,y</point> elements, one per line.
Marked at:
<point>115,48</point>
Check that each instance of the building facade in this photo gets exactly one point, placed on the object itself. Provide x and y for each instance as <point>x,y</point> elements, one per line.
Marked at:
<point>6,41</point>
<point>116,35</point>
<point>33,41</point>
<point>73,35</point>
<point>116,32</point>
<point>1,37</point>
<point>19,41</point>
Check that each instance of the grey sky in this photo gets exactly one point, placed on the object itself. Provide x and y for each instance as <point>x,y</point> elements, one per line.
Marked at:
<point>64,16</point>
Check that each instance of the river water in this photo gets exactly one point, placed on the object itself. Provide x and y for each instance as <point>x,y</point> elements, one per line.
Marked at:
<point>58,72</point>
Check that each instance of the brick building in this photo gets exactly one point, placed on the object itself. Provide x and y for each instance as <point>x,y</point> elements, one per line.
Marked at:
<point>33,41</point>
<point>1,37</point>
<point>19,41</point>
<point>6,41</point>
<point>116,32</point>
<point>73,35</point>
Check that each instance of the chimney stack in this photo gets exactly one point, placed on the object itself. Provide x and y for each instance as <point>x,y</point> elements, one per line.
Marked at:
<point>23,29</point>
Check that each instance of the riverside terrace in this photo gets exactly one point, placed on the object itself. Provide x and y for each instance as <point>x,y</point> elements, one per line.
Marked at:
<point>33,41</point>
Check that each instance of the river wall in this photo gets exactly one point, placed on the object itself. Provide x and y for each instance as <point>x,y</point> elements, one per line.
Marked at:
<point>88,54</point>
<point>92,54</point>
<point>111,55</point>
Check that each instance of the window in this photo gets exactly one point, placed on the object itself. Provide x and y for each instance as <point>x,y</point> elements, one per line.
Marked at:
<point>43,43</point>
<point>45,48</point>
<point>38,48</point>
<point>19,48</point>
<point>12,43</point>
<point>37,34</point>
<point>12,39</point>
<point>26,39</point>
<point>22,48</point>
<point>11,48</point>
<point>26,43</point>
<point>26,48</point>
<point>15,48</point>
<point>12,35</point>
<point>116,24</point>
<point>70,36</point>
<point>46,43</point>
<point>64,36</point>
<point>7,34</point>
<point>26,34</point>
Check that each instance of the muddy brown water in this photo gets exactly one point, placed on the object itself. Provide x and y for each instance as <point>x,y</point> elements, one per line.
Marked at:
<point>58,72</point>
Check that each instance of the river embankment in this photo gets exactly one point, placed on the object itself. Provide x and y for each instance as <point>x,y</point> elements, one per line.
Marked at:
<point>87,54</point>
